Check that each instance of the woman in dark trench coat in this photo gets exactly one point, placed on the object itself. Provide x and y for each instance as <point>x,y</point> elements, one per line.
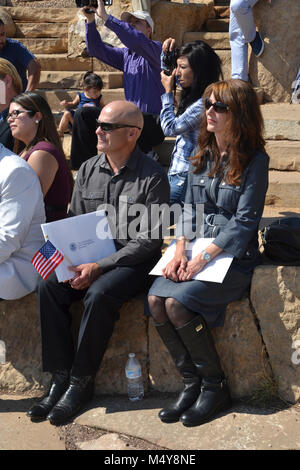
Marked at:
<point>229,177</point>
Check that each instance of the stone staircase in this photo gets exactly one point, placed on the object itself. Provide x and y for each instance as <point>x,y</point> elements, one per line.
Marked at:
<point>46,35</point>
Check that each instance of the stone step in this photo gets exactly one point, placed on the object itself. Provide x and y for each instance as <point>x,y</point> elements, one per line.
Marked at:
<point>284,154</point>
<point>272,213</point>
<point>217,25</point>
<point>45,45</point>
<point>72,79</point>
<point>222,11</point>
<point>41,15</point>
<point>283,189</point>
<point>282,121</point>
<point>54,97</point>
<point>215,40</point>
<point>61,62</point>
<point>41,30</point>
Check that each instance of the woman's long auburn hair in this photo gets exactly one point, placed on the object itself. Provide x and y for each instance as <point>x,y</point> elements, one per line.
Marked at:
<point>244,131</point>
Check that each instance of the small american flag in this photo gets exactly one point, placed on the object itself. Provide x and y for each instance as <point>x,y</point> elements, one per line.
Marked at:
<point>47,259</point>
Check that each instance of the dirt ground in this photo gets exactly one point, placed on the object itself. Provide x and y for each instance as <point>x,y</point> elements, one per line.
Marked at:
<point>72,434</point>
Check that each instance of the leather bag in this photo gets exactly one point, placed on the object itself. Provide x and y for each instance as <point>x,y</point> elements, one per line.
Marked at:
<point>281,241</point>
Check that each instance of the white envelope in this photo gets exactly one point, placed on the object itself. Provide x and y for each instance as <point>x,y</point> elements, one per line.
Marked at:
<point>214,271</point>
<point>77,238</point>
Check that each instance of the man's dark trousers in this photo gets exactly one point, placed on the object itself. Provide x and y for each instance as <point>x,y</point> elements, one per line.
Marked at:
<point>102,301</point>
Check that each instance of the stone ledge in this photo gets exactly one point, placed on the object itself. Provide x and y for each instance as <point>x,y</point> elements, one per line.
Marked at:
<point>261,337</point>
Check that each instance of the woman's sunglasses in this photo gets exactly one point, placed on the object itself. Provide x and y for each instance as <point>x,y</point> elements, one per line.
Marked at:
<point>16,112</point>
<point>108,127</point>
<point>218,106</point>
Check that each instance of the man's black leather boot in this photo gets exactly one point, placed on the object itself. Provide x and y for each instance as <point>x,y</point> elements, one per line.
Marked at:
<point>79,392</point>
<point>59,384</point>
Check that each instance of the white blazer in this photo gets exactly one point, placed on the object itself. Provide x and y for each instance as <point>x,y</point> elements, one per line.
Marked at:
<point>21,213</point>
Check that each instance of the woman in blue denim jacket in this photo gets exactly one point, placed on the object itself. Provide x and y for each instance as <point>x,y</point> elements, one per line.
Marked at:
<point>229,177</point>
<point>197,67</point>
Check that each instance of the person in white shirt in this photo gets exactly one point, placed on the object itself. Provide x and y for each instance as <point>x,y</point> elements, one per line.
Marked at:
<point>21,213</point>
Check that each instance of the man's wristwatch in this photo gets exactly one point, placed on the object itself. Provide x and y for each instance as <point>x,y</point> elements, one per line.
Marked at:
<point>206,256</point>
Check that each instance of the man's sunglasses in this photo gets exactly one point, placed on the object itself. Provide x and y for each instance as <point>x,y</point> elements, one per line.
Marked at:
<point>108,126</point>
<point>218,106</point>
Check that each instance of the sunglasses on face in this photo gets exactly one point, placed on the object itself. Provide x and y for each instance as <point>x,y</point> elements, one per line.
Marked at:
<point>218,106</point>
<point>16,112</point>
<point>108,126</point>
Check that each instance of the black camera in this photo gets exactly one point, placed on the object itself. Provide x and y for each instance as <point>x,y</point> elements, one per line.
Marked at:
<point>169,61</point>
<point>91,3</point>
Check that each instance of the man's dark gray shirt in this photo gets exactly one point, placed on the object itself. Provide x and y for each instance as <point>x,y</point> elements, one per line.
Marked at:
<point>141,181</point>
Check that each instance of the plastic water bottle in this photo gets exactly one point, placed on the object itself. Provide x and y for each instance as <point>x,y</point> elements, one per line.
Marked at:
<point>2,352</point>
<point>133,373</point>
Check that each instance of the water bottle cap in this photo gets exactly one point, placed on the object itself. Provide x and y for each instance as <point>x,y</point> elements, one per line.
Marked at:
<point>131,354</point>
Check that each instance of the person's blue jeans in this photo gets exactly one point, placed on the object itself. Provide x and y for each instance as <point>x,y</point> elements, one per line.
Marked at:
<point>241,31</point>
<point>177,187</point>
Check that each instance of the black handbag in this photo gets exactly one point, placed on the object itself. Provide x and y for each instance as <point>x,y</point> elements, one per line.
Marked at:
<point>281,241</point>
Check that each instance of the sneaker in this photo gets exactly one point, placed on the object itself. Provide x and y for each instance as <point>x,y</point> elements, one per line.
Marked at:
<point>257,45</point>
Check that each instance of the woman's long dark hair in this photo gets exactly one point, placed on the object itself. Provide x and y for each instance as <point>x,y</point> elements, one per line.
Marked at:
<point>46,128</point>
<point>206,66</point>
<point>244,131</point>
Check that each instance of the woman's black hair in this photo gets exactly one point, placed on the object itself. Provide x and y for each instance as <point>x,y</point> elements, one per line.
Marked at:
<point>206,66</point>
<point>92,80</point>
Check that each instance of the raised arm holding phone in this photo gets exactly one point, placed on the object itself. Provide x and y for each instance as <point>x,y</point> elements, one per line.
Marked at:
<point>139,61</point>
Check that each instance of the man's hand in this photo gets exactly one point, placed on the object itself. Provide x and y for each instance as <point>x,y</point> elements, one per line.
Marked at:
<point>168,45</point>
<point>90,17</point>
<point>85,275</point>
<point>101,12</point>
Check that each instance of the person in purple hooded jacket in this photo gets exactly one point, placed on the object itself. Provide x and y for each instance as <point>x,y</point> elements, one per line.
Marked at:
<point>139,61</point>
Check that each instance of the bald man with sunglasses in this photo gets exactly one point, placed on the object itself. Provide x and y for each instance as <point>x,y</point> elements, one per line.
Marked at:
<point>119,177</point>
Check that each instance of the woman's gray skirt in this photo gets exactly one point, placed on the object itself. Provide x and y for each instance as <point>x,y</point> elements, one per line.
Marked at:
<point>210,299</point>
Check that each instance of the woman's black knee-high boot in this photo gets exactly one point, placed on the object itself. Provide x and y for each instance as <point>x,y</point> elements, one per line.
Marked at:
<point>214,395</point>
<point>187,370</point>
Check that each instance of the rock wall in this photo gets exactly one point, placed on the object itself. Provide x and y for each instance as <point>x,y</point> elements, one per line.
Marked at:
<point>259,342</point>
<point>277,68</point>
